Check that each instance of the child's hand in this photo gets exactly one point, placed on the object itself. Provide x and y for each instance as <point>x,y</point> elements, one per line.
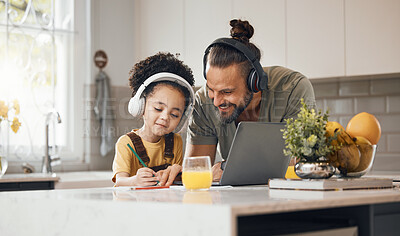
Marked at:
<point>168,175</point>
<point>145,177</point>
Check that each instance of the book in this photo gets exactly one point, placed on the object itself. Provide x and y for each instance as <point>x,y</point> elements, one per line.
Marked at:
<point>331,184</point>
<point>298,194</point>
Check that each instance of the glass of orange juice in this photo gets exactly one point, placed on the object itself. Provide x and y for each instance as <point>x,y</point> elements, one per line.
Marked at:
<point>196,173</point>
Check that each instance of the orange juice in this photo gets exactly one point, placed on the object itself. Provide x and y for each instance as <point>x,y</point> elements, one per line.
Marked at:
<point>197,179</point>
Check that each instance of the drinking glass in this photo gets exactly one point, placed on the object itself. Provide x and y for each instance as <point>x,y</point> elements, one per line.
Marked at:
<point>196,173</point>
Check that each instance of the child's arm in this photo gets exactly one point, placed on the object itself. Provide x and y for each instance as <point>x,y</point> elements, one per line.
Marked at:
<point>143,177</point>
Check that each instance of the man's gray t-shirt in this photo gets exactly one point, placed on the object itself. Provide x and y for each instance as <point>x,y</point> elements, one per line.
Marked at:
<point>280,101</point>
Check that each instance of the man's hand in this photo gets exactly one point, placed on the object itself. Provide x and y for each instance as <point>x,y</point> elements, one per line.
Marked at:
<point>216,172</point>
<point>168,175</point>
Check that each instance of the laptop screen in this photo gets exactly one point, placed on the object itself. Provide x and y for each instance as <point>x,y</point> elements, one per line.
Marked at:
<point>256,154</point>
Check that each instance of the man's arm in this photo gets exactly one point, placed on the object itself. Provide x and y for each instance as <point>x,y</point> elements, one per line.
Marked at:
<point>201,150</point>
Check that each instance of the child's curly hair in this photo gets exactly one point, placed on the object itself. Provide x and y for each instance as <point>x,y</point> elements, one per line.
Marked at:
<point>160,62</point>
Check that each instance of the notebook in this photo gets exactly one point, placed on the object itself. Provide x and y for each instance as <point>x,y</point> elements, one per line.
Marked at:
<point>256,155</point>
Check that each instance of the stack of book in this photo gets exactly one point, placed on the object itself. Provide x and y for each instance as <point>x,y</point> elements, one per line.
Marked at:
<point>331,184</point>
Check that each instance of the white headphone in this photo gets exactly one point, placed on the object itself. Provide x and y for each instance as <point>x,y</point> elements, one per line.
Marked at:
<point>137,103</point>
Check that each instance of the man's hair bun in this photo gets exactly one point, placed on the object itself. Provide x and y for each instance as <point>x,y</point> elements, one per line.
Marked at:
<point>241,30</point>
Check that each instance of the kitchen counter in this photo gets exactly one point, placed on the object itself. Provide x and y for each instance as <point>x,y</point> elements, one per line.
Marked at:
<point>175,211</point>
<point>62,180</point>
<point>10,178</point>
<point>84,179</point>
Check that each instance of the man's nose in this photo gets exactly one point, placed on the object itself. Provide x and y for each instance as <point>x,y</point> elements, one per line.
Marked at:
<point>217,100</point>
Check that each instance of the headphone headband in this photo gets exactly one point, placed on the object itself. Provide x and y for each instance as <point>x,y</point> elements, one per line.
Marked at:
<point>166,76</point>
<point>261,82</point>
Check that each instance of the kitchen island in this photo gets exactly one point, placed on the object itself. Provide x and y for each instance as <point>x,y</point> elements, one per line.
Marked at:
<point>62,180</point>
<point>248,210</point>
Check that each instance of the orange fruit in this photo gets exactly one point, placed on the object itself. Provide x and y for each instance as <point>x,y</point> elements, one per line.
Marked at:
<point>365,125</point>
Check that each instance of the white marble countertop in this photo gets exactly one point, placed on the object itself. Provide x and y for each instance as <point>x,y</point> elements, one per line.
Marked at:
<point>98,211</point>
<point>84,179</point>
<point>8,178</point>
<point>242,200</point>
<point>65,180</point>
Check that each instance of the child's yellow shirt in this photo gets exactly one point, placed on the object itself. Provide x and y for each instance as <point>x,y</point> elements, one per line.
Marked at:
<point>126,161</point>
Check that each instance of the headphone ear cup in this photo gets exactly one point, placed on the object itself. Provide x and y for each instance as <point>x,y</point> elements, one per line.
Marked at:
<point>252,81</point>
<point>136,106</point>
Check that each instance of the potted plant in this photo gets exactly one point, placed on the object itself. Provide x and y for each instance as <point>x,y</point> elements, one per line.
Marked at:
<point>305,139</point>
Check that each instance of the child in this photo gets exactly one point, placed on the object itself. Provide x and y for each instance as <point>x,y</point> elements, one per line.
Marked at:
<point>163,97</point>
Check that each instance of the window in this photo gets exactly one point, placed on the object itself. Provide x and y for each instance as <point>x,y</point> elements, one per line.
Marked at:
<point>39,40</point>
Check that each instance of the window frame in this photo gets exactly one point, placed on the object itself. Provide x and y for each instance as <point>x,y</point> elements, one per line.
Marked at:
<point>78,115</point>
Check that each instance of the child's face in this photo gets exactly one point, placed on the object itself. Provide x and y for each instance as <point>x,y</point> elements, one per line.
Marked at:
<point>164,109</point>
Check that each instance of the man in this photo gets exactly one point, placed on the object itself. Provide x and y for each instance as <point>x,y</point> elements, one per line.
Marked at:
<point>238,89</point>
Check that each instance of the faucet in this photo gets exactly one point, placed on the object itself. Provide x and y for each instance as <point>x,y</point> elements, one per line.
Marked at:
<point>47,159</point>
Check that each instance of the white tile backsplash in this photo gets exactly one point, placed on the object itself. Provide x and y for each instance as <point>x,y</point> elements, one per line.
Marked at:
<point>382,144</point>
<point>373,105</point>
<point>344,120</point>
<point>320,105</point>
<point>386,162</point>
<point>354,88</point>
<point>341,106</point>
<point>394,143</point>
<point>389,122</point>
<point>393,104</point>
<point>385,86</point>
<point>326,90</point>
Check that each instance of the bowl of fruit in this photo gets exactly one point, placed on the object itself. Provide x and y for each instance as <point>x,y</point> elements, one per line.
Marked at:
<point>355,145</point>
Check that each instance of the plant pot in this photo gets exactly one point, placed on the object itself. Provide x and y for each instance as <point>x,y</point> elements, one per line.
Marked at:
<point>314,170</point>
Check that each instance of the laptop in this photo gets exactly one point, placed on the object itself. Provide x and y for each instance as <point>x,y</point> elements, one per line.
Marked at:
<point>256,155</point>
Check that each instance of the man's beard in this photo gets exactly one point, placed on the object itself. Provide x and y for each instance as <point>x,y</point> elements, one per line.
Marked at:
<point>237,109</point>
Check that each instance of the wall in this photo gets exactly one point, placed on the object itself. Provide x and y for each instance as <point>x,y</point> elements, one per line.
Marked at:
<point>378,95</point>
<point>112,32</point>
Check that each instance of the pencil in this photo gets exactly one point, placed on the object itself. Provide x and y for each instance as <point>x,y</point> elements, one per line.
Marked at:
<point>149,187</point>
<point>140,160</point>
<point>137,155</point>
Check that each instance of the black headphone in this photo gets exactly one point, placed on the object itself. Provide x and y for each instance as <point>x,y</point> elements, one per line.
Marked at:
<point>257,79</point>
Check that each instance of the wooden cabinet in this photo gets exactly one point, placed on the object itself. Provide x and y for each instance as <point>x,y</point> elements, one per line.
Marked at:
<point>372,36</point>
<point>315,37</point>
